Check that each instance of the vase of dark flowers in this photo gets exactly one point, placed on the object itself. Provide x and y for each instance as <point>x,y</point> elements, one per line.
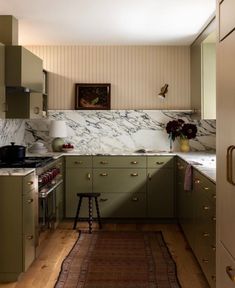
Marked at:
<point>185,131</point>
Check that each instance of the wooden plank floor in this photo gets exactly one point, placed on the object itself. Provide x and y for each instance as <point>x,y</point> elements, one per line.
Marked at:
<point>56,245</point>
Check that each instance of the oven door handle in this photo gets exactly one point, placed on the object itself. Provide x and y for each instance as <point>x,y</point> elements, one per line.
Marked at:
<point>45,194</point>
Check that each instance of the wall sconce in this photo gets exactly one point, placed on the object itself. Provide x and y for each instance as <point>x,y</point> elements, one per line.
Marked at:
<point>163,92</point>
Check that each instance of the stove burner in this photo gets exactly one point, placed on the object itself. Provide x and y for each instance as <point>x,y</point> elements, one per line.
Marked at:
<point>29,162</point>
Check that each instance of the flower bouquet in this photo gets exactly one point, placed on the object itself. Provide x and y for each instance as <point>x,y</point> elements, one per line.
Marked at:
<point>186,131</point>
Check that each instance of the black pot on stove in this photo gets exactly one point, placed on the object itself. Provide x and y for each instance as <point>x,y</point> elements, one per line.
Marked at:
<point>12,153</point>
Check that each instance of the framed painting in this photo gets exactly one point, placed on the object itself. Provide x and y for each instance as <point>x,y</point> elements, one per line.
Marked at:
<point>92,96</point>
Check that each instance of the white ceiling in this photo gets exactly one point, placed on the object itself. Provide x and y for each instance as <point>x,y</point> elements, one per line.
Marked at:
<point>108,21</point>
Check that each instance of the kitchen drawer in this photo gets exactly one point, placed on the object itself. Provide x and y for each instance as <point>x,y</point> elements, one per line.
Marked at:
<point>226,18</point>
<point>160,162</point>
<point>119,161</point>
<point>225,268</point>
<point>78,161</point>
<point>29,182</point>
<point>122,205</point>
<point>119,180</point>
<point>205,184</point>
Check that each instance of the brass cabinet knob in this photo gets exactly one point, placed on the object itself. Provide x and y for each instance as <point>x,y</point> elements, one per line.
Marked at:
<point>214,218</point>
<point>135,199</point>
<point>103,199</point>
<point>103,162</point>
<point>134,174</point>
<point>196,181</point>
<point>231,273</point>
<point>206,207</point>
<point>214,196</point>
<point>103,174</point>
<point>89,176</point>
<point>149,176</point>
<point>206,234</point>
<point>159,163</point>
<point>206,188</point>
<point>213,247</point>
<point>78,162</point>
<point>30,200</point>
<point>30,183</point>
<point>29,237</point>
<point>204,260</point>
<point>134,162</point>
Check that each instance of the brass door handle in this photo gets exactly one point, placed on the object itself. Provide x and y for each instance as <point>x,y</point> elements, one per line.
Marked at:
<point>134,174</point>
<point>135,199</point>
<point>89,176</point>
<point>29,201</point>
<point>103,199</point>
<point>159,163</point>
<point>229,158</point>
<point>103,162</point>
<point>134,162</point>
<point>231,273</point>
<point>103,174</point>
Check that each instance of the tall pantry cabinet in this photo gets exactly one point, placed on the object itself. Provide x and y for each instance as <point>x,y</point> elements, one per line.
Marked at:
<point>225,141</point>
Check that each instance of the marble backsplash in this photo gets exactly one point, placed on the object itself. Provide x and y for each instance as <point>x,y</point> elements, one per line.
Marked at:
<point>109,131</point>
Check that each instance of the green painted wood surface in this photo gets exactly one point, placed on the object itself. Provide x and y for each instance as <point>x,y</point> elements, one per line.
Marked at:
<point>78,161</point>
<point>160,162</point>
<point>119,162</point>
<point>119,180</point>
<point>160,193</point>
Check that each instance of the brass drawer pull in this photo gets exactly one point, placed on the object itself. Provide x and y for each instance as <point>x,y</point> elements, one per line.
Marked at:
<point>30,183</point>
<point>103,162</point>
<point>29,201</point>
<point>214,196</point>
<point>180,167</point>
<point>29,237</point>
<point>197,181</point>
<point>134,174</point>
<point>214,218</point>
<point>103,199</point>
<point>78,162</point>
<point>205,234</point>
<point>231,273</point>
<point>159,163</point>
<point>135,199</point>
<point>89,176</point>
<point>213,247</point>
<point>206,208</point>
<point>206,188</point>
<point>205,260</point>
<point>149,176</point>
<point>134,162</point>
<point>103,174</point>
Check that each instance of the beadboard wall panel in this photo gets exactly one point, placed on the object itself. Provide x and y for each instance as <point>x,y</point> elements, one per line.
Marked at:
<point>136,74</point>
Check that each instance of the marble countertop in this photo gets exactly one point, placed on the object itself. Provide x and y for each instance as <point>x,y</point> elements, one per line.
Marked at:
<point>204,162</point>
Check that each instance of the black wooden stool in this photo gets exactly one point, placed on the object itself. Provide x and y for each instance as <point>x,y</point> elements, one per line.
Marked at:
<point>90,197</point>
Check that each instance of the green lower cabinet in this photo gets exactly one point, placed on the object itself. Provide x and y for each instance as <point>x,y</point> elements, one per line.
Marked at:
<point>122,205</point>
<point>78,180</point>
<point>160,193</point>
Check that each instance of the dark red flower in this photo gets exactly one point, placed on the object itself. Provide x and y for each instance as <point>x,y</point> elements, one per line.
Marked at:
<point>176,128</point>
<point>189,131</point>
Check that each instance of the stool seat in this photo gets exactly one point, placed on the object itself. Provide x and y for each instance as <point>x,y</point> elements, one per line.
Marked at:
<point>90,196</point>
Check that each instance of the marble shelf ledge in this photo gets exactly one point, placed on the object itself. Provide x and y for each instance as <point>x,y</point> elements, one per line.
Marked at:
<point>16,171</point>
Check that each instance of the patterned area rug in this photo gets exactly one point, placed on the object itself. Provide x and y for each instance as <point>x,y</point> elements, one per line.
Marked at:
<point>119,260</point>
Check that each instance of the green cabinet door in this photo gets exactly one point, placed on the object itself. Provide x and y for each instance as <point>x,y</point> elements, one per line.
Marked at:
<point>78,180</point>
<point>160,193</point>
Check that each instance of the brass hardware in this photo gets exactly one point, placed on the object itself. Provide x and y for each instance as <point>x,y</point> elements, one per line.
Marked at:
<point>36,110</point>
<point>134,174</point>
<point>29,201</point>
<point>149,176</point>
<point>206,188</point>
<point>78,162</point>
<point>30,183</point>
<point>103,174</point>
<point>89,176</point>
<point>231,273</point>
<point>213,247</point>
<point>134,162</point>
<point>214,196</point>
<point>197,181</point>
<point>213,277</point>
<point>205,260</point>
<point>103,199</point>
<point>214,218</point>
<point>205,234</point>
<point>29,237</point>
<point>159,163</point>
<point>229,158</point>
<point>135,199</point>
<point>103,162</point>
<point>180,167</point>
<point>206,208</point>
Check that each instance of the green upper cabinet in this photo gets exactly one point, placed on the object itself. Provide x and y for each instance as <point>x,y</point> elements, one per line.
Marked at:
<point>23,69</point>
<point>203,72</point>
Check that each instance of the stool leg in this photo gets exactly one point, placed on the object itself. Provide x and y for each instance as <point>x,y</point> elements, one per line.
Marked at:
<point>90,214</point>
<point>77,213</point>
<point>98,212</point>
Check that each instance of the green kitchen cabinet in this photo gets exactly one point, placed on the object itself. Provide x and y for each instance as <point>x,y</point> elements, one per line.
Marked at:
<point>160,187</point>
<point>18,205</point>
<point>78,178</point>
